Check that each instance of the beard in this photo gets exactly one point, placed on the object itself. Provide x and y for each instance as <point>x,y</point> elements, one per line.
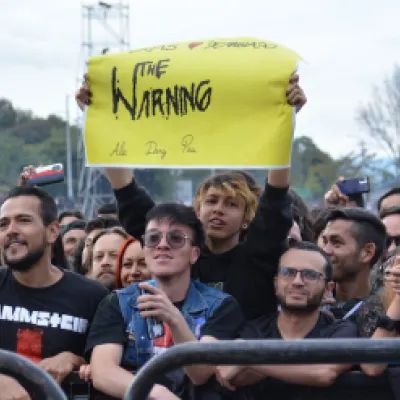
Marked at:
<point>346,270</point>
<point>346,274</point>
<point>107,280</point>
<point>313,303</point>
<point>107,283</point>
<point>26,262</point>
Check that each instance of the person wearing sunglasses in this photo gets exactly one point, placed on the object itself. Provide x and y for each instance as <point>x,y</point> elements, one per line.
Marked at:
<point>185,310</point>
<point>391,219</point>
<point>302,281</point>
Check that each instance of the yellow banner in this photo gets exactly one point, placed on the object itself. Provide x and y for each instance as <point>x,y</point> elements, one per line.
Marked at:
<point>212,103</point>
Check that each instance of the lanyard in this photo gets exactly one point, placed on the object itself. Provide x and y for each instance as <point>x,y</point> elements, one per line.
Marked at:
<point>353,310</point>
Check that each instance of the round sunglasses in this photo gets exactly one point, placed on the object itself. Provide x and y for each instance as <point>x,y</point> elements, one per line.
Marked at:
<point>176,239</point>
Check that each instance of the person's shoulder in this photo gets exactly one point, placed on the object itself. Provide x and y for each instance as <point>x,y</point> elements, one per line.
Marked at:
<point>209,291</point>
<point>371,307</point>
<point>131,290</point>
<point>264,320</point>
<point>372,301</point>
<point>330,327</point>
<point>80,283</point>
<point>259,328</point>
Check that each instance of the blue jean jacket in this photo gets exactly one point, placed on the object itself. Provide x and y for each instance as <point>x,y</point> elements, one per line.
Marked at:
<point>200,303</point>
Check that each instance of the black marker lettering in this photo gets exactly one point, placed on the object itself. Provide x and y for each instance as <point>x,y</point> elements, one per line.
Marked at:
<point>150,70</point>
<point>162,65</point>
<point>157,101</point>
<point>188,97</point>
<point>178,100</point>
<point>204,102</point>
<point>172,99</point>
<point>117,94</point>
<point>144,105</point>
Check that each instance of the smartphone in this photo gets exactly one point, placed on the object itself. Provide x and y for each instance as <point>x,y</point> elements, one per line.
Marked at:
<point>155,327</point>
<point>354,186</point>
<point>47,175</point>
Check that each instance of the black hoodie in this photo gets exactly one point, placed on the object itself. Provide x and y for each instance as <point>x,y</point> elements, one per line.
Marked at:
<point>246,271</point>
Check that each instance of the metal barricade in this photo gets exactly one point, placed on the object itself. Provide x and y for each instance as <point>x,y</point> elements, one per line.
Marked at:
<point>20,368</point>
<point>252,352</point>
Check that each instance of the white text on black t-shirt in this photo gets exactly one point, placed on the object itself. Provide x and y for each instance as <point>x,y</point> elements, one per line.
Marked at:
<point>43,318</point>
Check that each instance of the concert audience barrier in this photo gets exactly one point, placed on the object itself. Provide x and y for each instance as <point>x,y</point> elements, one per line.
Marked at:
<point>350,386</point>
<point>310,351</point>
<point>35,380</point>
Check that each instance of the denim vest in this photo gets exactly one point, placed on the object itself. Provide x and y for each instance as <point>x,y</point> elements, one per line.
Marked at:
<point>200,303</point>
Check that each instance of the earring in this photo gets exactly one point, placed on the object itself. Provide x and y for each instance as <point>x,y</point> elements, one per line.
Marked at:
<point>244,226</point>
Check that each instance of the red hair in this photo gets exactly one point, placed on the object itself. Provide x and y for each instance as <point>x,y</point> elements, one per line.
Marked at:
<point>121,252</point>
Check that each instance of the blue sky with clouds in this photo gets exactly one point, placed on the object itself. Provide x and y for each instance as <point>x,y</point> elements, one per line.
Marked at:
<point>349,46</point>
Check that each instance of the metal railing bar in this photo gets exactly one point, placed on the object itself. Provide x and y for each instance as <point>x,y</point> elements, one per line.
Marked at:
<point>21,366</point>
<point>310,351</point>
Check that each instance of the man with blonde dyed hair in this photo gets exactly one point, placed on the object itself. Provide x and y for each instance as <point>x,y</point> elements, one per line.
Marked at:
<point>228,209</point>
<point>235,186</point>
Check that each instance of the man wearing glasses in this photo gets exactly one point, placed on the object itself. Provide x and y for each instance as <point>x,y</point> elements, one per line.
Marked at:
<point>178,309</point>
<point>303,279</point>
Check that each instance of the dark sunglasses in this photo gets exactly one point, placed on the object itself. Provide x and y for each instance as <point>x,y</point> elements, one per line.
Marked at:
<point>176,239</point>
<point>392,239</point>
<point>307,275</point>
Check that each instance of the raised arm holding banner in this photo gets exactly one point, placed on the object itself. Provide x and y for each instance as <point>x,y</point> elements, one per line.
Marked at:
<point>214,103</point>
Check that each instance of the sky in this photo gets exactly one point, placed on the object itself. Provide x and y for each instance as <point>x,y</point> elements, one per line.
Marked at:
<point>349,47</point>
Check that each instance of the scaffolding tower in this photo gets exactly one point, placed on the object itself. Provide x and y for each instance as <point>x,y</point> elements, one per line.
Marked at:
<point>105,29</point>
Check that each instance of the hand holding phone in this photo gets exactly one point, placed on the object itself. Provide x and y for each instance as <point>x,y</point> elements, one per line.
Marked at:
<point>354,186</point>
<point>45,175</point>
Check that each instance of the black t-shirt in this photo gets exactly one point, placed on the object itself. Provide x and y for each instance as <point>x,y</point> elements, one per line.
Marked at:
<point>266,328</point>
<point>42,322</point>
<point>326,327</point>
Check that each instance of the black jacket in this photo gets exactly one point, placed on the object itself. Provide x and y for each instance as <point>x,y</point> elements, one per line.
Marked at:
<point>246,271</point>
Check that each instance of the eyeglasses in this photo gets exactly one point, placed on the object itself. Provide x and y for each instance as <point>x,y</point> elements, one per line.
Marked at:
<point>176,239</point>
<point>307,275</point>
<point>392,239</point>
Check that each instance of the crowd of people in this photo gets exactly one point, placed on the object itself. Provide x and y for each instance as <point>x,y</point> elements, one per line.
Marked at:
<point>102,296</point>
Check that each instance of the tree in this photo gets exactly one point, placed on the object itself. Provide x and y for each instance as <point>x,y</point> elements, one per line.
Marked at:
<point>8,115</point>
<point>29,140</point>
<point>380,117</point>
<point>313,170</point>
